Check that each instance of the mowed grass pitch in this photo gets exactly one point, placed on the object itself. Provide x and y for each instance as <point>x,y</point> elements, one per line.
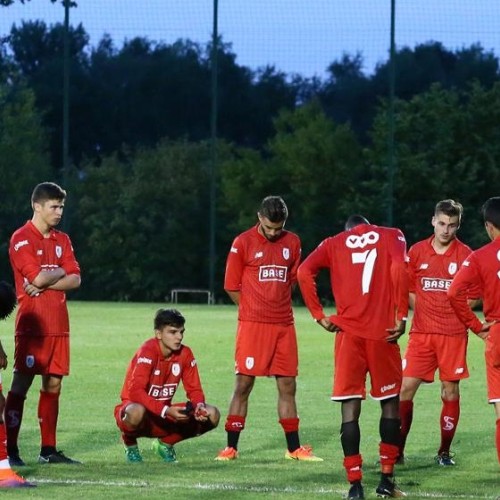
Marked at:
<point>105,336</point>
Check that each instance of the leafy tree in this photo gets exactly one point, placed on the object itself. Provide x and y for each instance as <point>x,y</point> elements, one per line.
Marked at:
<point>23,162</point>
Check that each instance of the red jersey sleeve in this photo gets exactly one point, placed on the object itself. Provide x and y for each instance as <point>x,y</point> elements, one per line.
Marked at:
<point>467,278</point>
<point>399,275</point>
<point>235,264</point>
<point>306,275</point>
<point>22,253</point>
<point>191,379</point>
<point>68,259</point>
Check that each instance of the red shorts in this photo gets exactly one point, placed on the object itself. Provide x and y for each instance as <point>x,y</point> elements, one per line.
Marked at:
<point>154,426</point>
<point>42,355</point>
<point>427,352</point>
<point>266,349</point>
<point>492,357</point>
<point>355,357</point>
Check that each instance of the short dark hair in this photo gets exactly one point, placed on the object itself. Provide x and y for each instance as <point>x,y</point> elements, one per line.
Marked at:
<point>274,208</point>
<point>491,211</point>
<point>46,191</point>
<point>355,220</point>
<point>168,317</point>
<point>449,207</point>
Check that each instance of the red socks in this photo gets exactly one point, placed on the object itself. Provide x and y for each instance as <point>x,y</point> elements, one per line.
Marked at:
<point>48,411</point>
<point>450,415</point>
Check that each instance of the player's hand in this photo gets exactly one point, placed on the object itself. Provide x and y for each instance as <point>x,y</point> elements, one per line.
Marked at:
<point>177,414</point>
<point>396,332</point>
<point>201,413</point>
<point>485,329</point>
<point>328,325</point>
<point>32,290</point>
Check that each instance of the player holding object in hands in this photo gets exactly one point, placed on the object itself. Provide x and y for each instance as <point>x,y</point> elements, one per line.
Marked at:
<point>260,273</point>
<point>45,268</point>
<point>482,270</point>
<point>438,339</point>
<point>152,379</point>
<point>370,286</point>
<point>8,478</point>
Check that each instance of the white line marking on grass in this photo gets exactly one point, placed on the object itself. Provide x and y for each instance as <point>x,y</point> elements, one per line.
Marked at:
<point>241,488</point>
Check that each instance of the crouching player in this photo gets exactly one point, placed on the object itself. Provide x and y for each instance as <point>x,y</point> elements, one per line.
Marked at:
<point>151,381</point>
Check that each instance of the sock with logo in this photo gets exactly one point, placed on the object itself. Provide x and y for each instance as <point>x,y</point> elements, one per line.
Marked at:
<point>48,412</point>
<point>13,415</point>
<point>388,455</point>
<point>291,428</point>
<point>234,425</point>
<point>406,412</point>
<point>450,415</point>
<point>353,467</point>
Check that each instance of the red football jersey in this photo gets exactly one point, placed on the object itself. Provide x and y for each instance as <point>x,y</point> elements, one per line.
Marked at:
<point>30,253</point>
<point>263,272</point>
<point>368,278</point>
<point>430,277</point>
<point>482,270</point>
<point>152,380</point>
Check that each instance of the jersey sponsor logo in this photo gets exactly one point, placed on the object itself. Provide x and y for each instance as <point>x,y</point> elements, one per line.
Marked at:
<point>449,423</point>
<point>259,255</point>
<point>143,359</point>
<point>386,388</point>
<point>452,268</point>
<point>249,363</point>
<point>162,392</point>
<point>58,251</point>
<point>234,250</point>
<point>20,244</point>
<point>355,241</point>
<point>424,265</point>
<point>273,273</point>
<point>30,361</point>
<point>435,285</point>
<point>286,253</point>
<point>176,369</point>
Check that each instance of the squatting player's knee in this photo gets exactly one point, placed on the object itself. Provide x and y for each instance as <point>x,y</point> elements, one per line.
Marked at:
<point>133,415</point>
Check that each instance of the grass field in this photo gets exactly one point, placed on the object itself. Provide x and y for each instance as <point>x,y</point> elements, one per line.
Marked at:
<point>105,336</point>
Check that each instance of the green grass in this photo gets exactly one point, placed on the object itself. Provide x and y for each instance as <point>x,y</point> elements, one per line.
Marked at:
<point>105,336</point>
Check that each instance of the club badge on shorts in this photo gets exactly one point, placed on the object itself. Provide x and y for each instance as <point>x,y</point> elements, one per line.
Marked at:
<point>249,362</point>
<point>30,361</point>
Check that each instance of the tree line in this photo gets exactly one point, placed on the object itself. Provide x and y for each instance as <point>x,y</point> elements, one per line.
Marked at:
<point>139,200</point>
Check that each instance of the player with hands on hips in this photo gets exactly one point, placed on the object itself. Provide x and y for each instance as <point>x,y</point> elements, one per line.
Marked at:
<point>370,286</point>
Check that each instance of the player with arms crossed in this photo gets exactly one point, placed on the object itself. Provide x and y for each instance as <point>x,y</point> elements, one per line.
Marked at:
<point>438,339</point>
<point>45,268</point>
<point>260,272</point>
<point>482,270</point>
<point>152,379</point>
<point>370,286</point>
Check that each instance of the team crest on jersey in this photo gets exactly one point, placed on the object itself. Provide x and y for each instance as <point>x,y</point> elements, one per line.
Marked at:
<point>249,363</point>
<point>58,251</point>
<point>30,361</point>
<point>176,369</point>
<point>286,253</point>
<point>452,268</point>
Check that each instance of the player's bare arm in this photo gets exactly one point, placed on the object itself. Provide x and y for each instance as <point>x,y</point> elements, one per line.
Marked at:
<point>3,358</point>
<point>69,282</point>
<point>234,295</point>
<point>46,278</point>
